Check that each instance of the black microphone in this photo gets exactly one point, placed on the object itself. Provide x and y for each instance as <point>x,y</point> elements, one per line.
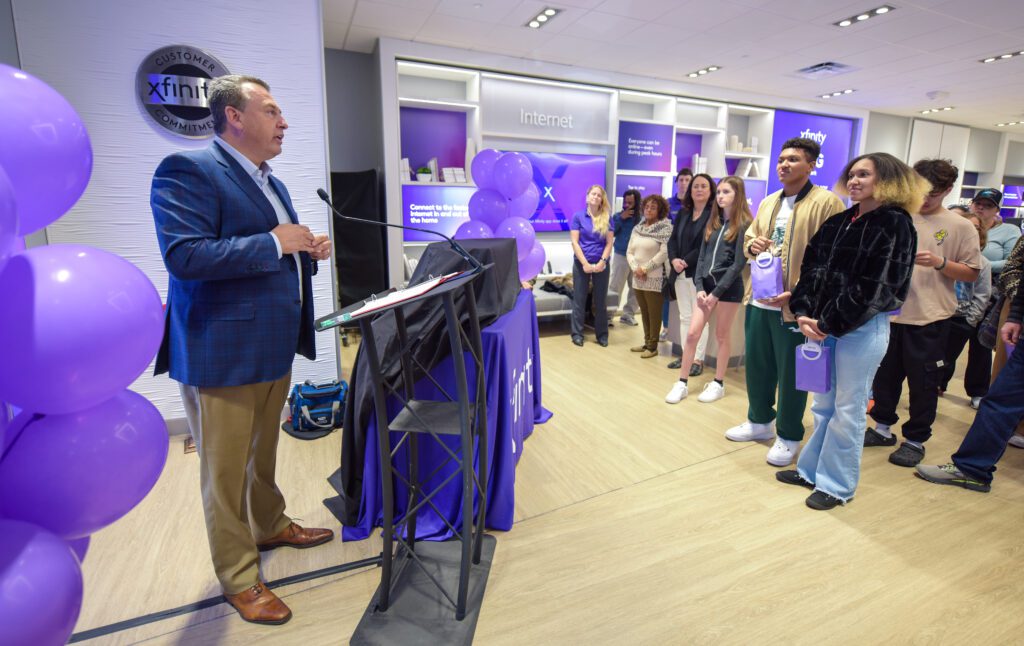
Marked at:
<point>456,247</point>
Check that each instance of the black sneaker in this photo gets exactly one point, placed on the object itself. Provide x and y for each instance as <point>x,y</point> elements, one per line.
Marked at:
<point>823,502</point>
<point>696,369</point>
<point>874,438</point>
<point>675,365</point>
<point>793,477</point>
<point>907,455</point>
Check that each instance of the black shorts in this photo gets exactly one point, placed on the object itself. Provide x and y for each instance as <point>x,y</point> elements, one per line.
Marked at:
<point>732,295</point>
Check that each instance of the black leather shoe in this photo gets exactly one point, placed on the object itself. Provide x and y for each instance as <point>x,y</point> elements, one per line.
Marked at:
<point>603,343</point>
<point>578,340</point>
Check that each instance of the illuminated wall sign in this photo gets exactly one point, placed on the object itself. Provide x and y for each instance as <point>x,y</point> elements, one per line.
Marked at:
<point>511,107</point>
<point>172,84</point>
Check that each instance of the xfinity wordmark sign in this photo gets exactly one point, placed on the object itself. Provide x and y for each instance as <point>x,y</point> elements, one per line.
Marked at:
<point>173,85</point>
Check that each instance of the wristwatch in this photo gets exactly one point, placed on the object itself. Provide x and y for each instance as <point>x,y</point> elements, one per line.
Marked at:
<point>604,260</point>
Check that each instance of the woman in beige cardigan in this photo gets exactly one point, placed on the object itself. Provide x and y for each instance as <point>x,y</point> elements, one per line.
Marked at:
<point>646,255</point>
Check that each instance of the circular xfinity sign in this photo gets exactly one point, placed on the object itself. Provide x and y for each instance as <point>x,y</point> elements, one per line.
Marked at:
<point>172,85</point>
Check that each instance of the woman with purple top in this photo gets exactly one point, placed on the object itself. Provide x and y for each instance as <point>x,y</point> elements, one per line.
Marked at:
<point>592,240</point>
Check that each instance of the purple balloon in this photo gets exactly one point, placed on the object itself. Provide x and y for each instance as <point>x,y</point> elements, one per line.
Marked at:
<point>533,263</point>
<point>45,150</point>
<point>79,326</point>
<point>481,168</point>
<point>519,229</point>
<point>8,219</point>
<point>40,586</point>
<point>473,230</point>
<point>513,172</point>
<point>489,207</point>
<point>79,547</point>
<point>75,474</point>
<point>525,205</point>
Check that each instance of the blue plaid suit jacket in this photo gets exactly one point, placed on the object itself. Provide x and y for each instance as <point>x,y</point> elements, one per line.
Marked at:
<point>233,314</point>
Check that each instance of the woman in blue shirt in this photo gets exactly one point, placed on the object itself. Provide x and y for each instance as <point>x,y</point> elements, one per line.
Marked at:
<point>592,240</point>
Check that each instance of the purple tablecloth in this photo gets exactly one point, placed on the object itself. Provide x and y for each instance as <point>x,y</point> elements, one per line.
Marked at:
<point>512,375</point>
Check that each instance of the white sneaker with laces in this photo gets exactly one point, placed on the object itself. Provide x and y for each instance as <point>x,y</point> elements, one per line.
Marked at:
<point>783,452</point>
<point>975,402</point>
<point>750,432</point>
<point>713,391</point>
<point>678,393</point>
<point>1016,441</point>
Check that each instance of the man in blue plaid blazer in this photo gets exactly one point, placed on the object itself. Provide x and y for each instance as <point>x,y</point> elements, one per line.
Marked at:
<point>239,307</point>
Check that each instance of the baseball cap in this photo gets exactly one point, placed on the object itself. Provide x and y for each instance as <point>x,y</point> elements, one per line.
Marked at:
<point>990,194</point>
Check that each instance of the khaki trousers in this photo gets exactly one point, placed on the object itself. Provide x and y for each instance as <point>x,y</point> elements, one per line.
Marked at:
<point>236,430</point>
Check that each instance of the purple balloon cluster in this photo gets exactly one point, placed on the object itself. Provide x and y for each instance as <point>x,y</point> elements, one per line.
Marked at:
<point>79,326</point>
<point>502,205</point>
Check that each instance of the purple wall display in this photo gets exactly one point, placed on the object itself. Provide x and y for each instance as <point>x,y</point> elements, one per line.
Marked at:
<point>1012,196</point>
<point>757,190</point>
<point>438,208</point>
<point>563,180</point>
<point>687,145</point>
<point>645,146</point>
<point>433,133</point>
<point>646,184</point>
<point>834,134</point>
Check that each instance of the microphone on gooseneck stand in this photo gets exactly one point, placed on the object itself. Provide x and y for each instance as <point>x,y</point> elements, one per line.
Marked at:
<point>456,247</point>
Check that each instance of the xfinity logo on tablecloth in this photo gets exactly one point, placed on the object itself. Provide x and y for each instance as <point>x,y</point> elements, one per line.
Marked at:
<point>173,86</point>
<point>833,134</point>
<point>522,386</point>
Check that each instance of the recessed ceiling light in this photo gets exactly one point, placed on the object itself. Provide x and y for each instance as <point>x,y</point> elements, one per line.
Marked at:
<point>836,93</point>
<point>1000,125</point>
<point>847,91</point>
<point>706,70</point>
<point>542,18</point>
<point>861,17</point>
<point>931,110</point>
<point>1002,57</point>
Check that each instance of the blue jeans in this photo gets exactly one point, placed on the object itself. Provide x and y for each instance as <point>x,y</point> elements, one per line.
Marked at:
<point>831,458</point>
<point>1000,412</point>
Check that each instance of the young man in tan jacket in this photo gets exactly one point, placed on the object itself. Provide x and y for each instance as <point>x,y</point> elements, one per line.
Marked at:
<point>785,222</point>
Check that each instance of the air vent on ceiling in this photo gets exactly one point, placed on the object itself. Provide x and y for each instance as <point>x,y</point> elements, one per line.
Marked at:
<point>827,69</point>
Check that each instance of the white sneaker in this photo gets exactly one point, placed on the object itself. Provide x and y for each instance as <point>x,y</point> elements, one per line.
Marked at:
<point>713,391</point>
<point>663,336</point>
<point>750,432</point>
<point>975,402</point>
<point>783,452</point>
<point>678,393</point>
<point>1016,441</point>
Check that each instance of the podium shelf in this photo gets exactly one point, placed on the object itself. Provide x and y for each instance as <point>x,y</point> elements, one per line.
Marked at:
<point>440,417</point>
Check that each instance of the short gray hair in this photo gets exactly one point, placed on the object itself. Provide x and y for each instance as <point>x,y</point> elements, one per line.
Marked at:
<point>227,91</point>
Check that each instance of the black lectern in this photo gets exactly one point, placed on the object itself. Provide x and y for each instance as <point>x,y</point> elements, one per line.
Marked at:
<point>458,414</point>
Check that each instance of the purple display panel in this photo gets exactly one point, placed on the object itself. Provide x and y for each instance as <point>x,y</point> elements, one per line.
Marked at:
<point>687,145</point>
<point>563,181</point>
<point>438,208</point>
<point>646,184</point>
<point>834,134</point>
<point>757,190</point>
<point>645,146</point>
<point>1012,196</point>
<point>433,133</point>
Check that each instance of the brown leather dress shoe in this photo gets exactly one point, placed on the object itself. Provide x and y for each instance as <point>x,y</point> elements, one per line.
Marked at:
<point>259,605</point>
<point>297,537</point>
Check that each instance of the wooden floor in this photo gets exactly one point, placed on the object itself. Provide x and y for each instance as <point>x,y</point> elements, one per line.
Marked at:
<point>637,522</point>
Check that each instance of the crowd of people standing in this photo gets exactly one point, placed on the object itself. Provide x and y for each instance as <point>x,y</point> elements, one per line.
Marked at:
<point>892,288</point>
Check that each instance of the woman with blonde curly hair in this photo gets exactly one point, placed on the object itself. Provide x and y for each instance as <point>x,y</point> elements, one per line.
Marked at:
<point>855,271</point>
<point>592,240</point>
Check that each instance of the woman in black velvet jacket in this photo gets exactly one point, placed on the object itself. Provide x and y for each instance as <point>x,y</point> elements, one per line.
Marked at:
<point>855,271</point>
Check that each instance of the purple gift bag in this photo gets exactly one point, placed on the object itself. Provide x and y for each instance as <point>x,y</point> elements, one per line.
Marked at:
<point>766,276</point>
<point>813,367</point>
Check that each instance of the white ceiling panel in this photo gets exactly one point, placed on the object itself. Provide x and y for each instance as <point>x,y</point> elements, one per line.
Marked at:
<point>923,45</point>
